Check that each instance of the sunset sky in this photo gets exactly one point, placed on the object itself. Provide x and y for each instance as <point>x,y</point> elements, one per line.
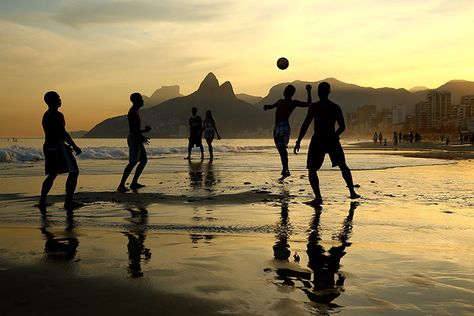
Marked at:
<point>96,52</point>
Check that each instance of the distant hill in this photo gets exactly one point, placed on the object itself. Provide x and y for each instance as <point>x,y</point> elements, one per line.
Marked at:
<point>162,94</point>
<point>350,96</point>
<point>458,88</point>
<point>234,117</point>
<point>248,98</point>
<point>418,89</point>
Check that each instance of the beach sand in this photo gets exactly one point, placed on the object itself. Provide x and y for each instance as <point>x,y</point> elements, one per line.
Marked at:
<point>210,240</point>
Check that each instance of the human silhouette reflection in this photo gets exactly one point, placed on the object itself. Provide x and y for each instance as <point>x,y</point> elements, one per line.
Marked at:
<point>136,241</point>
<point>59,249</point>
<point>281,249</point>
<point>328,281</point>
<point>195,174</point>
<point>210,178</point>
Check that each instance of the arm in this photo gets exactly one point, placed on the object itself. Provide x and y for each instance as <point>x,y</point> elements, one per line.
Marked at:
<point>340,122</point>
<point>271,106</point>
<point>304,128</point>
<point>67,138</point>
<point>309,99</point>
<point>215,128</point>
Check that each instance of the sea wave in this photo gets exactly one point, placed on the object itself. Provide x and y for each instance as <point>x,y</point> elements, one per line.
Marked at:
<point>18,153</point>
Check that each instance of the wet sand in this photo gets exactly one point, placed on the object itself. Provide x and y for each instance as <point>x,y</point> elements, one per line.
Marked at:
<point>243,244</point>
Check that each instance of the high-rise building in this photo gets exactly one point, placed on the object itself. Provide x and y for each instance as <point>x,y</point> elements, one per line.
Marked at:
<point>440,102</point>
<point>398,114</point>
<point>424,115</point>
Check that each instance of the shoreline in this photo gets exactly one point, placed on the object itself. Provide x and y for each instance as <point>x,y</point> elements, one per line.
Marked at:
<point>420,150</point>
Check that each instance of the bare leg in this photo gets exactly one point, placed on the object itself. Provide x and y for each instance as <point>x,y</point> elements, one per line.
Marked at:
<point>189,152</point>
<point>46,187</point>
<point>346,174</point>
<point>126,172</point>
<point>138,172</point>
<point>71,184</point>
<point>314,181</point>
<point>284,162</point>
<point>211,150</point>
<point>202,151</point>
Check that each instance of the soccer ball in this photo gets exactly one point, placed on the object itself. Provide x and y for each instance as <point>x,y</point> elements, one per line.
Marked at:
<point>282,63</point>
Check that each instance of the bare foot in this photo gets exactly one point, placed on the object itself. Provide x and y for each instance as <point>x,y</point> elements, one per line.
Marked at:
<point>354,196</point>
<point>284,174</point>
<point>314,202</point>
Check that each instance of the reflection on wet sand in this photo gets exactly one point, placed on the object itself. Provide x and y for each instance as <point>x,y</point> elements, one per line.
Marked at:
<point>324,282</point>
<point>195,174</point>
<point>136,241</point>
<point>59,249</point>
<point>281,249</point>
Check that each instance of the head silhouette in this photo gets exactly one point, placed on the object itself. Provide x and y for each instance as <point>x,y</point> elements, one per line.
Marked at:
<point>52,99</point>
<point>194,110</point>
<point>136,99</point>
<point>324,89</point>
<point>208,114</point>
<point>289,91</point>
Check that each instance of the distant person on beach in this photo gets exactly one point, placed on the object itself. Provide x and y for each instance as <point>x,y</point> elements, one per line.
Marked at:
<point>210,130</point>
<point>136,142</point>
<point>281,133</point>
<point>195,133</point>
<point>380,138</point>
<point>375,137</point>
<point>57,148</point>
<point>395,139</point>
<point>325,140</point>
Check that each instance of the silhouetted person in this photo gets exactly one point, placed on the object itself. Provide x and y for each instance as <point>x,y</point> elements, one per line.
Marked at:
<point>281,132</point>
<point>325,140</point>
<point>195,133</point>
<point>210,130</point>
<point>375,137</point>
<point>380,138</point>
<point>57,148</point>
<point>136,148</point>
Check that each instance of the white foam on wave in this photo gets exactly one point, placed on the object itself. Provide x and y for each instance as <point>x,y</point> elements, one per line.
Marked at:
<point>18,153</point>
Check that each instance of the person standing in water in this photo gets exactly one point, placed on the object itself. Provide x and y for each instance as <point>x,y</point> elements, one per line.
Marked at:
<point>281,133</point>
<point>325,114</point>
<point>57,149</point>
<point>195,133</point>
<point>136,148</point>
<point>210,129</point>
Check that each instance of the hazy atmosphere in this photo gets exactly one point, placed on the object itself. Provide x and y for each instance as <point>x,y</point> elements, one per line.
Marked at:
<point>95,53</point>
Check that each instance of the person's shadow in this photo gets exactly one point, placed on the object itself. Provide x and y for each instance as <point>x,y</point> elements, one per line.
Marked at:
<point>328,281</point>
<point>136,235</point>
<point>59,249</point>
<point>281,248</point>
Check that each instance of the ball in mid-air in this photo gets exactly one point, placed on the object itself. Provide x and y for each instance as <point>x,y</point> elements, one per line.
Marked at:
<point>282,63</point>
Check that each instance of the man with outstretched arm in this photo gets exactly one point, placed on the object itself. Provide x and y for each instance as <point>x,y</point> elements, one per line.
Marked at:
<point>136,148</point>
<point>325,140</point>
<point>281,132</point>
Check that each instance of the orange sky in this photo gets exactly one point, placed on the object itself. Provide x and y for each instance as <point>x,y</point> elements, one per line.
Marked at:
<point>95,53</point>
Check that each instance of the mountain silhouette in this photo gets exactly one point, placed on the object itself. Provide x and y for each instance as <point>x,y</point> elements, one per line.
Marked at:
<point>162,94</point>
<point>234,117</point>
<point>248,98</point>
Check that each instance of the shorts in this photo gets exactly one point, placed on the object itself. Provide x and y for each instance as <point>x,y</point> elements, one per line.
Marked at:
<point>281,134</point>
<point>195,141</point>
<point>318,148</point>
<point>136,150</point>
<point>59,159</point>
<point>209,134</point>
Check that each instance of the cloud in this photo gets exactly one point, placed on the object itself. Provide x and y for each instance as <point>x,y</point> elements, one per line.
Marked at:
<point>80,13</point>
